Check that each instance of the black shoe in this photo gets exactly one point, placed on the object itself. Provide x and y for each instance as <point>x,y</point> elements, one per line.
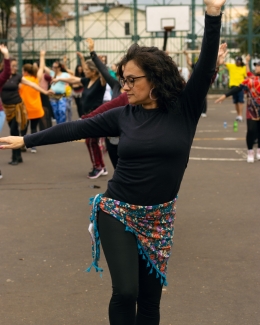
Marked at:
<point>20,160</point>
<point>13,162</point>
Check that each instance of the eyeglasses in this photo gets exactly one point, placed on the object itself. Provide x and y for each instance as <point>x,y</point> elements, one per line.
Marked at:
<point>54,67</point>
<point>130,81</point>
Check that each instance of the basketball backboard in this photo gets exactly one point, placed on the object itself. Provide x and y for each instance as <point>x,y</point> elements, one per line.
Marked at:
<point>158,17</point>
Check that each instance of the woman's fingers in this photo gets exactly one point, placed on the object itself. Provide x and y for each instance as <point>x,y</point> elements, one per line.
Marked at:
<point>11,142</point>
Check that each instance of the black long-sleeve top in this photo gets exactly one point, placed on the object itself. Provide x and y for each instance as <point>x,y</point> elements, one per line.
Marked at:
<point>113,83</point>
<point>154,144</point>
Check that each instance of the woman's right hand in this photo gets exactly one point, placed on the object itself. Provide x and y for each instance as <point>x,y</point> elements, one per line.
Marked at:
<point>4,51</point>
<point>12,142</point>
<point>220,99</point>
<point>90,43</point>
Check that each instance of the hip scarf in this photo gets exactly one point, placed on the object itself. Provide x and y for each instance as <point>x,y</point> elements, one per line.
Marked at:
<point>153,227</point>
<point>19,112</point>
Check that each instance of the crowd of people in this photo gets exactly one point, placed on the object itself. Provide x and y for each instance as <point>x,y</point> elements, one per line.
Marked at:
<point>149,124</point>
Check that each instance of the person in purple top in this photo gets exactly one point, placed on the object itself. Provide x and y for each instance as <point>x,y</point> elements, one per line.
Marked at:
<point>156,131</point>
<point>4,76</point>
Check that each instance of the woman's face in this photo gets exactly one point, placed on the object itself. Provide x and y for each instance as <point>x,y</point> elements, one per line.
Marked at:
<point>80,70</point>
<point>89,73</point>
<point>137,90</point>
<point>14,67</point>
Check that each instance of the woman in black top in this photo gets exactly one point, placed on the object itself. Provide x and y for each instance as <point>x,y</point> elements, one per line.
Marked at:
<point>111,142</point>
<point>156,132</point>
<point>94,86</point>
<point>77,90</point>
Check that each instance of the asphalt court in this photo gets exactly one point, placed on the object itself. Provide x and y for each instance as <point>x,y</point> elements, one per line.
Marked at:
<point>214,269</point>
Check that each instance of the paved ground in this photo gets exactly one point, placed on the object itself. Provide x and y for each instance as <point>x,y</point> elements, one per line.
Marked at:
<point>45,248</point>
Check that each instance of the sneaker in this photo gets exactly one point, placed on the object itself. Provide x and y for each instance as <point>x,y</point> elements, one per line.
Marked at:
<point>1,176</point>
<point>203,115</point>
<point>33,150</point>
<point>239,118</point>
<point>105,172</point>
<point>258,154</point>
<point>250,156</point>
<point>95,173</point>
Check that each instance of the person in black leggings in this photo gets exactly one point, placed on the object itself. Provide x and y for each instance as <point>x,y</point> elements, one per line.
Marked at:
<point>130,281</point>
<point>156,132</point>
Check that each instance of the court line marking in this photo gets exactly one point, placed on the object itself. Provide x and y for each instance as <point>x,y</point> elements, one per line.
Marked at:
<point>212,148</point>
<point>218,139</point>
<point>218,159</point>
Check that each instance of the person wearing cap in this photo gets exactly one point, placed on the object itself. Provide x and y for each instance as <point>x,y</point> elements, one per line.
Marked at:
<point>237,73</point>
<point>251,85</point>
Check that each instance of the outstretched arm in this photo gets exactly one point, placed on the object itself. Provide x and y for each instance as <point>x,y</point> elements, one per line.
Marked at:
<point>71,80</point>
<point>35,86</point>
<point>41,66</point>
<point>188,60</point>
<point>248,58</point>
<point>102,125</point>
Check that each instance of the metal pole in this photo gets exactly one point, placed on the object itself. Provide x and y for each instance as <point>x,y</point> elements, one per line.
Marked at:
<point>77,26</point>
<point>135,38</point>
<point>193,4</point>
<point>19,38</point>
<point>250,27</point>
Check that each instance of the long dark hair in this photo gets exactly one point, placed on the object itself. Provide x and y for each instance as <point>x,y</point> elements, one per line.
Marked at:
<point>79,74</point>
<point>159,69</point>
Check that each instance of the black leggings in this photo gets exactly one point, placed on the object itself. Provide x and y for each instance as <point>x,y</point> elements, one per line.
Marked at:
<point>253,133</point>
<point>34,123</point>
<point>131,282</point>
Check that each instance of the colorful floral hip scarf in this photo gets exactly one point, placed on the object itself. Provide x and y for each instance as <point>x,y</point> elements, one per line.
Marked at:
<point>153,227</point>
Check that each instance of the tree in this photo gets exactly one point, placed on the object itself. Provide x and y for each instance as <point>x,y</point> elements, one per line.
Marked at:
<point>5,14</point>
<point>6,6</point>
<point>242,39</point>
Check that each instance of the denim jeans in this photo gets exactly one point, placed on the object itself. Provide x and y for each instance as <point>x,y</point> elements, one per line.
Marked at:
<point>2,120</point>
<point>59,109</point>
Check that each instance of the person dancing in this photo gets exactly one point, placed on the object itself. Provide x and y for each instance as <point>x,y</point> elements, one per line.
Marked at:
<point>92,97</point>
<point>251,86</point>
<point>14,107</point>
<point>31,97</point>
<point>135,217</point>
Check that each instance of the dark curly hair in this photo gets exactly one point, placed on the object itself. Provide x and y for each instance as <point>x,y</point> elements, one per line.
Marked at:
<point>159,69</point>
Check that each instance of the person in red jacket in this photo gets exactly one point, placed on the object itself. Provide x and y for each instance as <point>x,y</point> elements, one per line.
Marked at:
<point>251,85</point>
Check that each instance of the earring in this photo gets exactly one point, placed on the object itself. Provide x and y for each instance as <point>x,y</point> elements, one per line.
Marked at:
<point>150,95</point>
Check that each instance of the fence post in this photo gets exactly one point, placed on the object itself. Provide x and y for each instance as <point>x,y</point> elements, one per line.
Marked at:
<point>19,39</point>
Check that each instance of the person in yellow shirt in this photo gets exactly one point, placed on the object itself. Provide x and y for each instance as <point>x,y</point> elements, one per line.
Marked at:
<point>237,73</point>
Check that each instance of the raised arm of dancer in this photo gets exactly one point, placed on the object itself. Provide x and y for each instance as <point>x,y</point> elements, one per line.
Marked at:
<point>248,58</point>
<point>121,100</point>
<point>82,61</point>
<point>35,86</point>
<point>222,53</point>
<point>188,60</point>
<point>71,80</point>
<point>5,74</point>
<point>65,60</point>
<point>41,66</point>
<point>100,65</point>
<point>197,87</point>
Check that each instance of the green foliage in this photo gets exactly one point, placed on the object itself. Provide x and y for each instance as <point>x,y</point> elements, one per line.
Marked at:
<point>52,7</point>
<point>242,39</point>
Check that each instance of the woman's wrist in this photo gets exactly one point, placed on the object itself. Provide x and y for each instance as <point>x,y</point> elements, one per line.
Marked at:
<point>213,11</point>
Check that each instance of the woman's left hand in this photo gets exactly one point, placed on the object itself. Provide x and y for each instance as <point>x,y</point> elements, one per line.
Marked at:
<point>214,6</point>
<point>222,53</point>
<point>12,142</point>
<point>220,99</point>
<point>90,43</point>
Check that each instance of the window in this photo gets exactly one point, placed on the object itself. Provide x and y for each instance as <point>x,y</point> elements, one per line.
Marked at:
<point>127,28</point>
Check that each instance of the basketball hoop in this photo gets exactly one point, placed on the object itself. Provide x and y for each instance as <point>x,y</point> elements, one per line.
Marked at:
<point>168,28</point>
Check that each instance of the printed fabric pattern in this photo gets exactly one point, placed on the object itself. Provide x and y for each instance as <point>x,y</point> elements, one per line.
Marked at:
<point>153,227</point>
<point>251,86</point>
